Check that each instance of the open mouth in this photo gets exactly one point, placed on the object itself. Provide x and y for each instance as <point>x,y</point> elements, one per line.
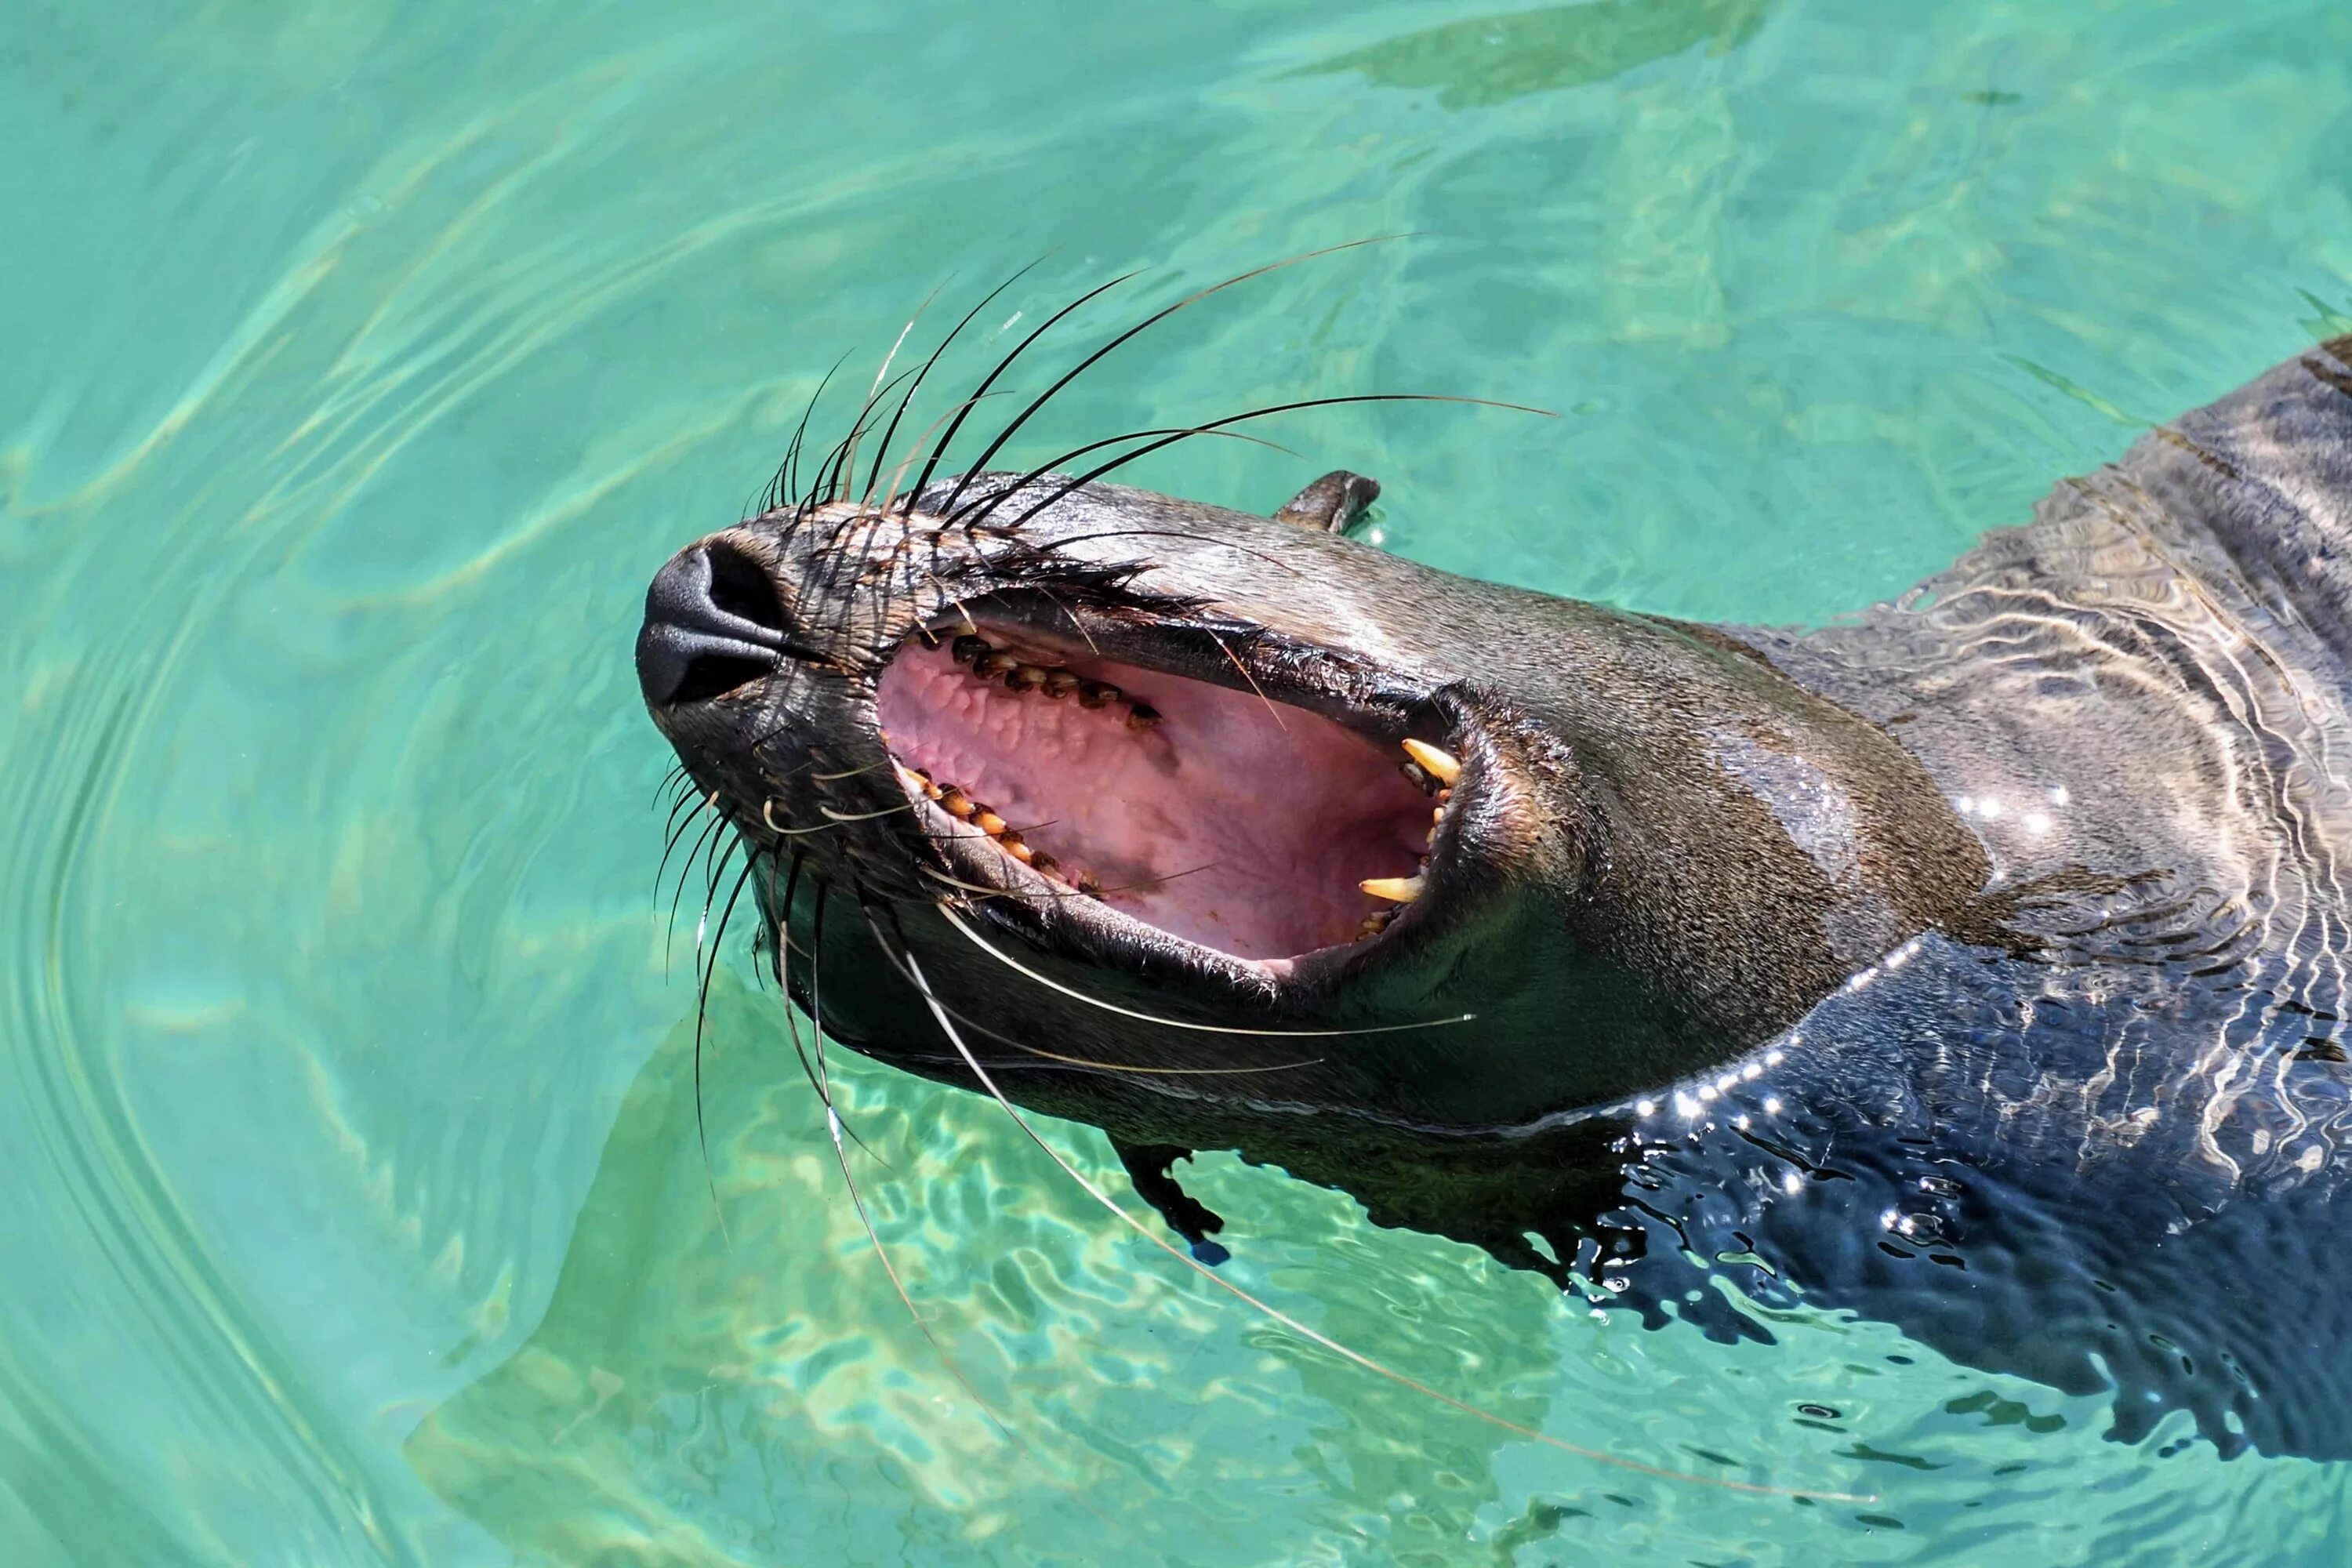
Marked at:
<point>1252,828</point>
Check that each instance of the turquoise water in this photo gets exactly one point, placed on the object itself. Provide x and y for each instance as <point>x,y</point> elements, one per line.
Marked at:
<point>361,363</point>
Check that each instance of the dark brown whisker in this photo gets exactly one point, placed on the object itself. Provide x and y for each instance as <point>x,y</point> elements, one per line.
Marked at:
<point>782,913</point>
<point>882,448</point>
<point>718,868</point>
<point>787,481</point>
<point>979,509</point>
<point>677,831</point>
<point>718,824</point>
<point>939,451</point>
<point>1273,561</point>
<point>832,487</point>
<point>1145,325</point>
<point>701,1016</point>
<point>785,948</point>
<point>890,497</point>
<point>1091,475</point>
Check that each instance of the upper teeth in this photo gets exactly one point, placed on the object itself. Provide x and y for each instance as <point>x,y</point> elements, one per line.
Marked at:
<point>1395,889</point>
<point>1017,674</point>
<point>1437,765</point>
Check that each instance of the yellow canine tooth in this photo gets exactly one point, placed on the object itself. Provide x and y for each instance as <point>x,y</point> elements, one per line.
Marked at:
<point>1395,889</point>
<point>1437,765</point>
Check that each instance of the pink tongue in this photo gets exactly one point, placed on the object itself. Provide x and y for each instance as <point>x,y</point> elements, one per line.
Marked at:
<point>1231,822</point>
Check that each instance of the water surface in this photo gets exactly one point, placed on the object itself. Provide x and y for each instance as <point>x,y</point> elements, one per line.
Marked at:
<point>363,361</point>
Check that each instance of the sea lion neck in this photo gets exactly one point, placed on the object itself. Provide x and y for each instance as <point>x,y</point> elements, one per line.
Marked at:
<point>2143,678</point>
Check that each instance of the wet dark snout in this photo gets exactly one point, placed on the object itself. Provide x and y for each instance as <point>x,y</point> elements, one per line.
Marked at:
<point>713,625</point>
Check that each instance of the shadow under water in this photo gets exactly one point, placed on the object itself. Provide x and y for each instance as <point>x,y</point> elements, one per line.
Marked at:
<point>1487,60</point>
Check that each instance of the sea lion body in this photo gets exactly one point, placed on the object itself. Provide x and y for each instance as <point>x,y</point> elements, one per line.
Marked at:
<point>1975,964</point>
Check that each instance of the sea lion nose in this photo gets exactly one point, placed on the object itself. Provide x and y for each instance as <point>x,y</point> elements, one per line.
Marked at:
<point>712,625</point>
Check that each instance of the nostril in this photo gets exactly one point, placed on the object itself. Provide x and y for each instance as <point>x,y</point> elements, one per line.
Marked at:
<point>710,674</point>
<point>713,624</point>
<point>740,588</point>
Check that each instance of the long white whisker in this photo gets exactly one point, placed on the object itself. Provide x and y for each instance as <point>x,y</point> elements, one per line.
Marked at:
<point>1276,1314</point>
<point>893,960</point>
<point>1010,962</point>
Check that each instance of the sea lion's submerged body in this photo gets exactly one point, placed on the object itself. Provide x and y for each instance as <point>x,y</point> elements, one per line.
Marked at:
<point>1977,964</point>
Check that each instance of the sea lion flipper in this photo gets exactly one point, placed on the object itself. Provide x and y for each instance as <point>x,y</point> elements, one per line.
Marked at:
<point>1331,502</point>
<point>1147,1167</point>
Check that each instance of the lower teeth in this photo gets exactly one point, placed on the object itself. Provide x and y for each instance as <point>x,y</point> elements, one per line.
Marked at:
<point>961,806</point>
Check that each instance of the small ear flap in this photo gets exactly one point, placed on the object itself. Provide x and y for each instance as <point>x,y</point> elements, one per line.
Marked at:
<point>1331,502</point>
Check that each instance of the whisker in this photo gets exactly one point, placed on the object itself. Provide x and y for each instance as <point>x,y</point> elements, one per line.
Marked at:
<point>822,1088</point>
<point>1273,561</point>
<point>1015,965</point>
<point>874,391</point>
<point>1276,1314</point>
<point>1100,1065</point>
<point>841,1157</point>
<point>890,496</point>
<point>979,508</point>
<point>950,596</point>
<point>787,481</point>
<point>718,824</point>
<point>717,870</point>
<point>678,831</point>
<point>939,451</point>
<point>1091,475</point>
<point>701,1018</point>
<point>1272,712</point>
<point>766,816</point>
<point>883,448</point>
<point>857,1199</point>
<point>864,815</point>
<point>816,990</point>
<point>1145,325</point>
<point>1122,888</point>
<point>836,486</point>
<point>784,953</point>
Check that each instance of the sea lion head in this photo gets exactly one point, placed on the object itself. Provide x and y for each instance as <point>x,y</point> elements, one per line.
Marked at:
<point>1168,813</point>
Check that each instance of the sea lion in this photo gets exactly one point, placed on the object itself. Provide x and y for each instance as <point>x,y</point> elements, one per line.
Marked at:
<point>1977,964</point>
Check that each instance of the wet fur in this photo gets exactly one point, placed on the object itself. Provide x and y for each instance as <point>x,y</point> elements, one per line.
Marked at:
<point>2087,1126</point>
